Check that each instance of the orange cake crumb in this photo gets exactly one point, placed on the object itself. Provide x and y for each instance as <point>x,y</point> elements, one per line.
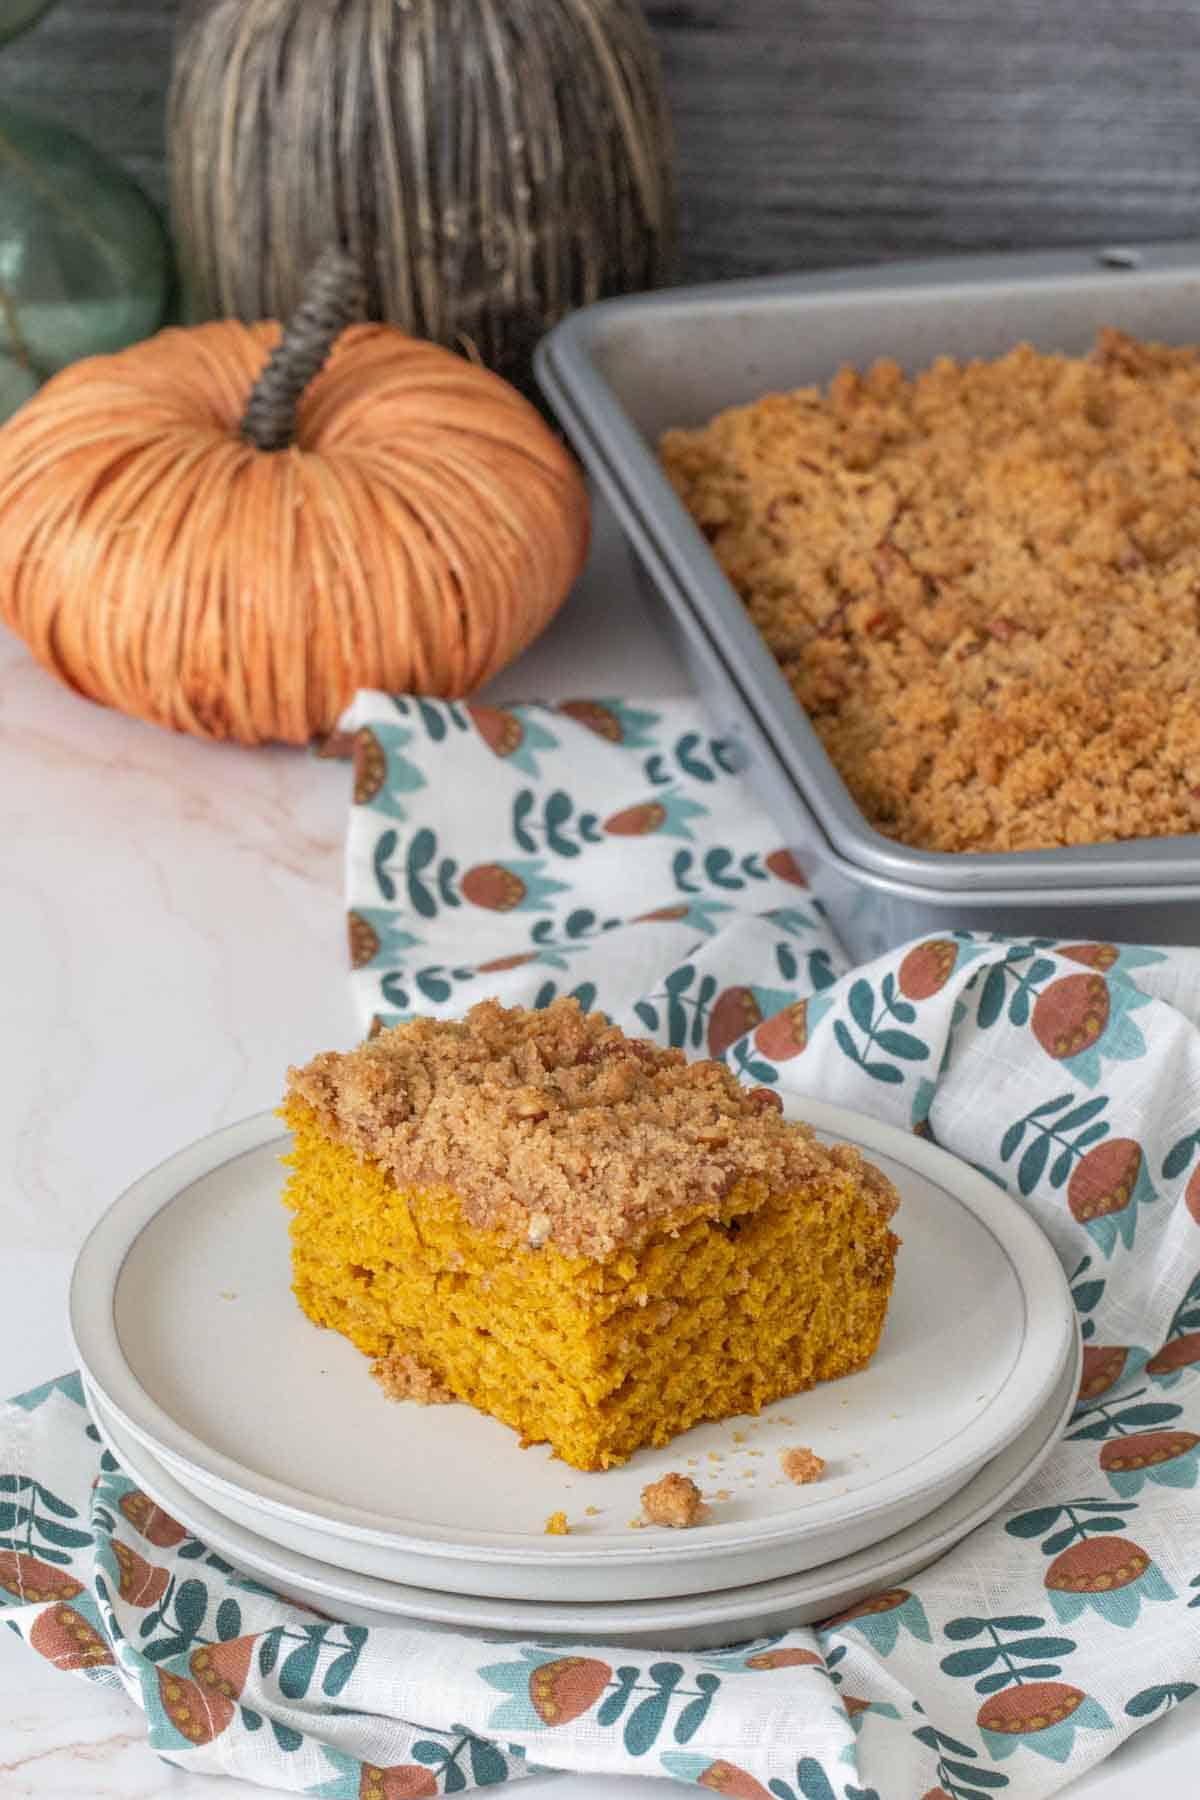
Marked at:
<point>980,583</point>
<point>801,1465</point>
<point>556,1525</point>
<point>674,1500</point>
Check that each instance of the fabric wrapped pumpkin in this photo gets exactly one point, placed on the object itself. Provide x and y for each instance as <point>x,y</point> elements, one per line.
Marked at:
<point>393,517</point>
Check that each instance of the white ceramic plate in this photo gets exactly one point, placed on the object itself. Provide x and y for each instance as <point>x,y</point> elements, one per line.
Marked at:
<point>185,1324</point>
<point>689,1623</point>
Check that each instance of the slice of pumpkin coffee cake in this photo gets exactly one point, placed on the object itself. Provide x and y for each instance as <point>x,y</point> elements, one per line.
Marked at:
<point>577,1232</point>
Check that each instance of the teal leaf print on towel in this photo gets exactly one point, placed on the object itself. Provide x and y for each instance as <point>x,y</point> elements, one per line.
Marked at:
<point>1017,1650</point>
<point>812,1783</point>
<point>681,1013</point>
<point>578,931</point>
<point>877,1035</point>
<point>1047,1130</point>
<point>34,1527</point>
<point>1180,1155</point>
<point>724,870</point>
<point>585,993</point>
<point>429,884</point>
<point>550,1690</point>
<point>1177,1159</point>
<point>748,1067</point>
<point>661,1686</point>
<point>718,867</point>
<point>997,998</point>
<point>1068,1522</point>
<point>1087,1296</point>
<point>957,1778</point>
<point>1162,1698</point>
<point>704,760</point>
<point>485,1763</point>
<point>434,716</point>
<point>558,828</point>
<point>423,874</point>
<point>1120,1417</point>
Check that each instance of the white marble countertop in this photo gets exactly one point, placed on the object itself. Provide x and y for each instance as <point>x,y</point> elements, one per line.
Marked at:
<point>171,936</point>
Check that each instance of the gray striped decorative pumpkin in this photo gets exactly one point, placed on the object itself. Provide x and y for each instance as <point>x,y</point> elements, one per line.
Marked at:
<point>490,164</point>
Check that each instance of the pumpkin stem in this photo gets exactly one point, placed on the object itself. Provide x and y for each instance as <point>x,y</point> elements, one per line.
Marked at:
<point>333,298</point>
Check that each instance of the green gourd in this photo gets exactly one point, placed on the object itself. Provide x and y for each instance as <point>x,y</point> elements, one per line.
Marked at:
<point>84,264</point>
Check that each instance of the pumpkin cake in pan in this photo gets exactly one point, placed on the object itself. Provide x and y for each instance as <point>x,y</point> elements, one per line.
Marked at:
<point>980,584</point>
<point>579,1233</point>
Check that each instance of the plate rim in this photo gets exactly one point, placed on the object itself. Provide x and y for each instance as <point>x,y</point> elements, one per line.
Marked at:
<point>1049,1318</point>
<point>716,1606</point>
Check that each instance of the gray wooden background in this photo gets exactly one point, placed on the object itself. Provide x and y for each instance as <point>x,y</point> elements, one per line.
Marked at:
<point>816,131</point>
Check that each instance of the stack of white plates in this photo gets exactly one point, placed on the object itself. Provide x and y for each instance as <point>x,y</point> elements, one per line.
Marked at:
<point>265,1436</point>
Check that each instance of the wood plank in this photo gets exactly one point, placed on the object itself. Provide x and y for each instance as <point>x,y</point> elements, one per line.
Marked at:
<point>813,132</point>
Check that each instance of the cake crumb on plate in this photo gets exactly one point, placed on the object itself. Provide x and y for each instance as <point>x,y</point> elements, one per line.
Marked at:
<point>404,1378</point>
<point>674,1500</point>
<point>801,1465</point>
<point>556,1525</point>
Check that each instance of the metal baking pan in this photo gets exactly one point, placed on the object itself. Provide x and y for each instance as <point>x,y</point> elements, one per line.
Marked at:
<point>622,371</point>
<point>873,912</point>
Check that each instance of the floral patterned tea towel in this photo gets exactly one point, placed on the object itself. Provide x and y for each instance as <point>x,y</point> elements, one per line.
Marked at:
<point>612,851</point>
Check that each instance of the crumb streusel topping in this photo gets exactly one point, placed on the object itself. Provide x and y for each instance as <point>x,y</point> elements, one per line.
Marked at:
<point>552,1125</point>
<point>674,1500</point>
<point>981,585</point>
<point>404,1377</point>
<point>801,1465</point>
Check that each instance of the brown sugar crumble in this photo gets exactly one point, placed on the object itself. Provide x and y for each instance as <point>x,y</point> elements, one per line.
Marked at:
<point>980,583</point>
<point>556,1525</point>
<point>674,1500</point>
<point>404,1378</point>
<point>553,1125</point>
<point>801,1465</point>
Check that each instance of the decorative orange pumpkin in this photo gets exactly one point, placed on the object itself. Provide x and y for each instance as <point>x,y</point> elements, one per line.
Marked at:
<point>381,513</point>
